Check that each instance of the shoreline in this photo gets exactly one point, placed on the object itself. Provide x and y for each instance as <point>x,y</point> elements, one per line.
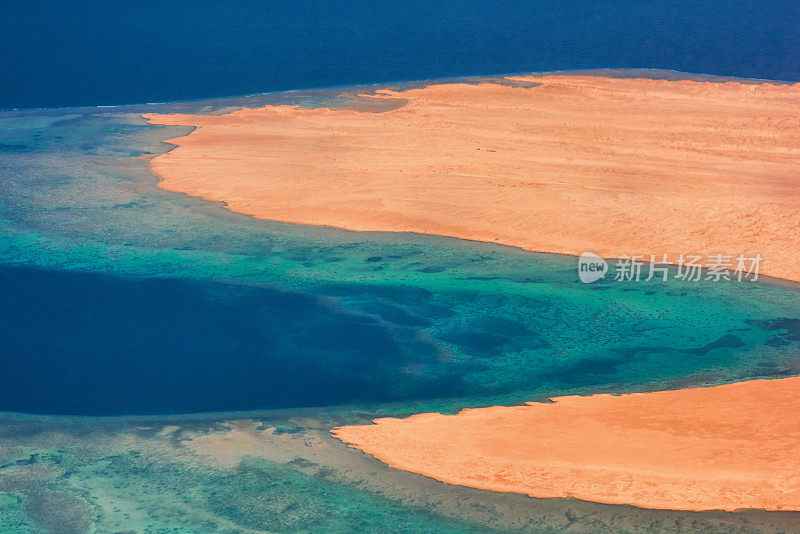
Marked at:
<point>729,447</point>
<point>353,179</point>
<point>223,101</point>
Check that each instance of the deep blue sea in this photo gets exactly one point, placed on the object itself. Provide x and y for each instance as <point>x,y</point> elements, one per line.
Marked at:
<point>57,54</point>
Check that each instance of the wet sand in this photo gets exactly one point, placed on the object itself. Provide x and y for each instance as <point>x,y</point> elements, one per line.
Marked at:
<point>579,163</point>
<point>726,447</point>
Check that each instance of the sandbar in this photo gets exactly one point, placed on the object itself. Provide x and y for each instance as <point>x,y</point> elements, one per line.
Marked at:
<point>727,447</point>
<point>615,166</point>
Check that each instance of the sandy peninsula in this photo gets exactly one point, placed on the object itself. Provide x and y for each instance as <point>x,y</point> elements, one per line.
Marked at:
<point>726,447</point>
<point>577,163</point>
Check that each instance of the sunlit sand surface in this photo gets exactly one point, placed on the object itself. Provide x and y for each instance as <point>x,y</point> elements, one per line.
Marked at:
<point>571,164</point>
<point>577,163</point>
<point>725,447</point>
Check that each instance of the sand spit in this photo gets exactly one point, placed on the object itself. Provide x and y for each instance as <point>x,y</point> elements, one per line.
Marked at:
<point>726,447</point>
<point>578,163</point>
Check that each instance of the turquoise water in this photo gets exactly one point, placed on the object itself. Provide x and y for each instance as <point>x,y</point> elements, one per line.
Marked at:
<point>121,299</point>
<point>119,273</point>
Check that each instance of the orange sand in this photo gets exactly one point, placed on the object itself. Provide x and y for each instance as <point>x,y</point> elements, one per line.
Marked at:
<point>726,447</point>
<point>579,163</point>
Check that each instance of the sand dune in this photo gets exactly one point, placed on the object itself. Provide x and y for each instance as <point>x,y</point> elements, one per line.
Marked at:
<point>726,447</point>
<point>578,163</point>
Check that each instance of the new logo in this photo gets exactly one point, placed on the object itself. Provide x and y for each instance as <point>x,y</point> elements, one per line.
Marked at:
<point>591,267</point>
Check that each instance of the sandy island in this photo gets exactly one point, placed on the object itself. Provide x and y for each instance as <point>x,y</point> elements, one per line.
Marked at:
<point>578,163</point>
<point>726,447</point>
